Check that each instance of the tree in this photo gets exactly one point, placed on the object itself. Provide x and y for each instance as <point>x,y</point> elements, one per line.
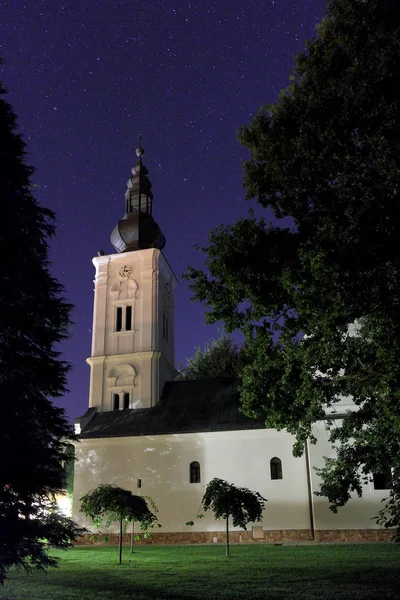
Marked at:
<point>317,292</point>
<point>111,503</point>
<point>34,319</point>
<point>221,358</point>
<point>226,500</point>
<point>151,505</point>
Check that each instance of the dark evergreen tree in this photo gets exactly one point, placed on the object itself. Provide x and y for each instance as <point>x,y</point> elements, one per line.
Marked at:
<point>33,320</point>
<point>318,294</point>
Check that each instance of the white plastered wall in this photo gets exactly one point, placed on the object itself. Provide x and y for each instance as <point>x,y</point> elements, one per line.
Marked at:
<point>241,457</point>
<point>358,513</point>
<point>162,463</point>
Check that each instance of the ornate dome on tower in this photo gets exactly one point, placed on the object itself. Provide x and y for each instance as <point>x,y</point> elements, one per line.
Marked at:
<point>137,230</point>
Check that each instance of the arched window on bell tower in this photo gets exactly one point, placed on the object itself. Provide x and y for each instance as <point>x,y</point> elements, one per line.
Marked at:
<point>120,379</point>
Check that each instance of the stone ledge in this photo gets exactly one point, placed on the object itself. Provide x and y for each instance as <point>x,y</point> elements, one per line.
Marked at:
<point>354,535</point>
<point>247,537</point>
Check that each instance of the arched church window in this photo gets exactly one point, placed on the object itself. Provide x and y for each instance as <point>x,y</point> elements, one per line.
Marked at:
<point>165,327</point>
<point>194,472</point>
<point>116,401</point>
<point>276,468</point>
<point>126,400</point>
<point>123,318</point>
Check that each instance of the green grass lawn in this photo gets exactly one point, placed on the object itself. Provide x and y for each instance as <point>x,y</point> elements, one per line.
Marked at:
<point>203,572</point>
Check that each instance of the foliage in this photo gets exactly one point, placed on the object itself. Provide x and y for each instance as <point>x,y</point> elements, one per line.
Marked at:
<point>110,503</point>
<point>317,292</point>
<point>68,463</point>
<point>221,358</point>
<point>33,320</point>
<point>389,515</point>
<point>228,501</point>
<point>137,537</point>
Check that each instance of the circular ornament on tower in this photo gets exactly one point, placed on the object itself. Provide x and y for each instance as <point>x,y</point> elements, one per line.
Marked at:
<point>125,271</point>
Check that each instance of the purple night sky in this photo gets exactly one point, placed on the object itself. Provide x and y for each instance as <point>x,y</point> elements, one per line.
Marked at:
<point>86,76</point>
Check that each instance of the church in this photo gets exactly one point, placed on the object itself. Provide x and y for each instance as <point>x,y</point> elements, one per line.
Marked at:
<point>167,439</point>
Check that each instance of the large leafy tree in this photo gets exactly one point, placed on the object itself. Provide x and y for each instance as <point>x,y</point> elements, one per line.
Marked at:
<point>221,358</point>
<point>317,290</point>
<point>227,501</point>
<point>33,320</point>
<point>110,503</point>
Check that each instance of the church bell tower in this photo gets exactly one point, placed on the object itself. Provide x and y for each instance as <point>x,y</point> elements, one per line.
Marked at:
<point>132,352</point>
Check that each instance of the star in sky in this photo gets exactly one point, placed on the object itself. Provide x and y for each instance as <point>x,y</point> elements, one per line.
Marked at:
<point>86,77</point>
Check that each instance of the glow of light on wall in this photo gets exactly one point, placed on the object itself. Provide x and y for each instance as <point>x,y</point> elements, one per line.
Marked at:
<point>64,505</point>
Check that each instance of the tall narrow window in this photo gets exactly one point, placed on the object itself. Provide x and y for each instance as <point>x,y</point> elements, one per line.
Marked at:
<point>118,325</point>
<point>126,400</point>
<point>276,468</point>
<point>194,472</point>
<point>128,323</point>
<point>383,481</point>
<point>116,401</point>
<point>165,327</point>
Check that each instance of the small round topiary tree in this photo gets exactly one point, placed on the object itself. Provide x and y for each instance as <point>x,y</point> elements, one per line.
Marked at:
<point>111,503</point>
<point>226,500</point>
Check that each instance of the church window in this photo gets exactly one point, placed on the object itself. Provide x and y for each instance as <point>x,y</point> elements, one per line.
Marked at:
<point>126,400</point>
<point>139,483</point>
<point>128,324</point>
<point>165,327</point>
<point>383,481</point>
<point>123,318</point>
<point>118,325</point>
<point>194,472</point>
<point>116,401</point>
<point>276,468</point>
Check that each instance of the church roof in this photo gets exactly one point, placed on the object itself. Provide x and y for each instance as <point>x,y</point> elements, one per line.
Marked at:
<point>185,407</point>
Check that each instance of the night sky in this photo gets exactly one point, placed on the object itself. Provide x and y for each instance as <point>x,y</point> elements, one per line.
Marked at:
<point>86,76</point>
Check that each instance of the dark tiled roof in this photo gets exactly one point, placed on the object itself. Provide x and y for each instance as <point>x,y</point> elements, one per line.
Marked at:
<point>184,407</point>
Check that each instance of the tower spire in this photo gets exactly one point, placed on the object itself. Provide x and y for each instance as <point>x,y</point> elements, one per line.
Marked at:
<point>138,230</point>
<point>139,153</point>
<point>138,196</point>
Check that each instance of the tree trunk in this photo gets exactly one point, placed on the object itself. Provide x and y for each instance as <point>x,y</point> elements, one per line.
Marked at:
<point>120,541</point>
<point>227,536</point>
<point>132,536</point>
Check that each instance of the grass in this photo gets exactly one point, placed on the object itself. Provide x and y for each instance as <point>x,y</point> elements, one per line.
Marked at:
<point>367,571</point>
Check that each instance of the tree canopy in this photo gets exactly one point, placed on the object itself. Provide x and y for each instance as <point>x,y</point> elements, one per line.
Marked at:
<point>226,501</point>
<point>34,318</point>
<point>315,283</point>
<point>220,358</point>
<point>110,503</point>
